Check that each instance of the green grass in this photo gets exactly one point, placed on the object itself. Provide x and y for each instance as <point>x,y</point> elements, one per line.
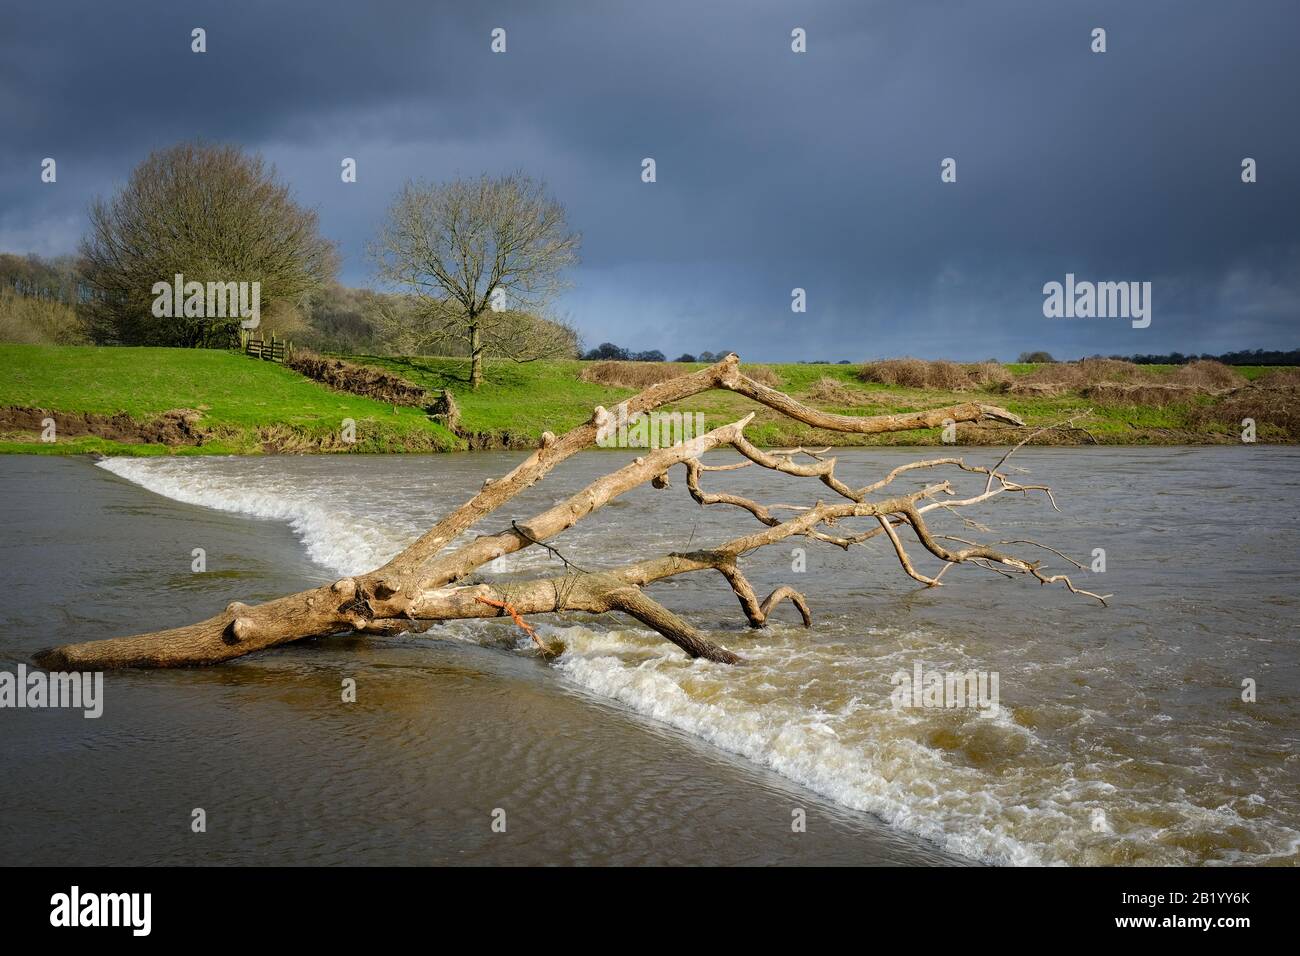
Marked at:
<point>519,398</point>
<point>529,398</point>
<point>523,400</point>
<point>243,401</point>
<point>247,403</point>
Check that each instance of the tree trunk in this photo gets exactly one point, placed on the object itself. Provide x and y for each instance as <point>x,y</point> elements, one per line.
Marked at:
<point>475,357</point>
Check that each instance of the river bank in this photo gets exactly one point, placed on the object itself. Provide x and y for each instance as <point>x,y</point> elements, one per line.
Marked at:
<point>145,401</point>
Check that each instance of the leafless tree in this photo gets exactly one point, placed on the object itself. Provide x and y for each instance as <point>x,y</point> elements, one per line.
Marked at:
<point>407,325</point>
<point>427,582</point>
<point>481,256</point>
<point>212,214</point>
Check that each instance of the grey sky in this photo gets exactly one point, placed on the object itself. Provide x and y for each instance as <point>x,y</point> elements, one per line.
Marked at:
<point>775,170</point>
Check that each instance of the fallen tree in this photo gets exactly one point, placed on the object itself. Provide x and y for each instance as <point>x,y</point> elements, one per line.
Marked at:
<point>420,585</point>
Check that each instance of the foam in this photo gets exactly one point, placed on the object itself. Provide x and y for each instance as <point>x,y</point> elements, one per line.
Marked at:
<point>317,512</point>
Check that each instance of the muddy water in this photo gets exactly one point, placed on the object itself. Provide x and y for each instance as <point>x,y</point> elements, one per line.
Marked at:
<point>1119,736</point>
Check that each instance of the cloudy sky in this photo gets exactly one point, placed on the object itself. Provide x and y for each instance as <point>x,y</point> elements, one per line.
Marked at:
<point>775,170</point>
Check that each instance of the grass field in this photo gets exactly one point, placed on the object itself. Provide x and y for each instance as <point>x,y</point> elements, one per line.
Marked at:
<point>250,406</point>
<point>247,404</point>
<point>523,400</point>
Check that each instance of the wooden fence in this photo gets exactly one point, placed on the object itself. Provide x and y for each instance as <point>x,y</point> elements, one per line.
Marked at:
<point>275,350</point>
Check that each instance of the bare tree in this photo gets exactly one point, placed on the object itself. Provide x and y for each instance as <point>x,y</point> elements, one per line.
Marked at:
<point>407,325</point>
<point>420,586</point>
<point>212,214</point>
<point>474,252</point>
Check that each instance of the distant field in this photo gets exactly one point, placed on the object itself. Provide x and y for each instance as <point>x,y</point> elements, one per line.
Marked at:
<point>523,400</point>
<point>250,407</point>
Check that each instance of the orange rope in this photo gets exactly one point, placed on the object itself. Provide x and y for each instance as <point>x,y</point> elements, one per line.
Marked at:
<point>524,625</point>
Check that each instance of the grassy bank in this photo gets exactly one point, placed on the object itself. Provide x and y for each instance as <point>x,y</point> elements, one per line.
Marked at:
<point>248,406</point>
<point>518,402</point>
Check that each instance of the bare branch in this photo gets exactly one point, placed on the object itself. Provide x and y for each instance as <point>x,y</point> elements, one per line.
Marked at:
<point>420,585</point>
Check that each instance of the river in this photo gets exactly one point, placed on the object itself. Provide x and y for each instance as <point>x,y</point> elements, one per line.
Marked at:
<point>1120,737</point>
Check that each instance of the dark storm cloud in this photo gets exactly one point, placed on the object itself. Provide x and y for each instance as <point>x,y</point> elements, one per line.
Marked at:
<point>775,170</point>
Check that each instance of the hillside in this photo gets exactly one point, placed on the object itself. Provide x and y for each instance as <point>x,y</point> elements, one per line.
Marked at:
<point>246,406</point>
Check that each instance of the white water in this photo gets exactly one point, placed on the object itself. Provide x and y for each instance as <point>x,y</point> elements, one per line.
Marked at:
<point>844,751</point>
<point>336,533</point>
<point>1056,777</point>
<point>346,524</point>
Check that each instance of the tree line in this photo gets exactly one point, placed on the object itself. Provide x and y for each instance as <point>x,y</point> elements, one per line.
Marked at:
<point>609,352</point>
<point>1241,357</point>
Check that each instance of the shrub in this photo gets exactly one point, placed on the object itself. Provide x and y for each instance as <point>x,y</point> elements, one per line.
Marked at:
<point>948,376</point>
<point>1280,378</point>
<point>762,374</point>
<point>830,391</point>
<point>1153,395</point>
<point>38,321</point>
<point>645,374</point>
<point>905,372</point>
<point>916,373</point>
<point>1208,375</point>
<point>990,376</point>
<point>1273,402</point>
<point>1092,371</point>
<point>629,374</point>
